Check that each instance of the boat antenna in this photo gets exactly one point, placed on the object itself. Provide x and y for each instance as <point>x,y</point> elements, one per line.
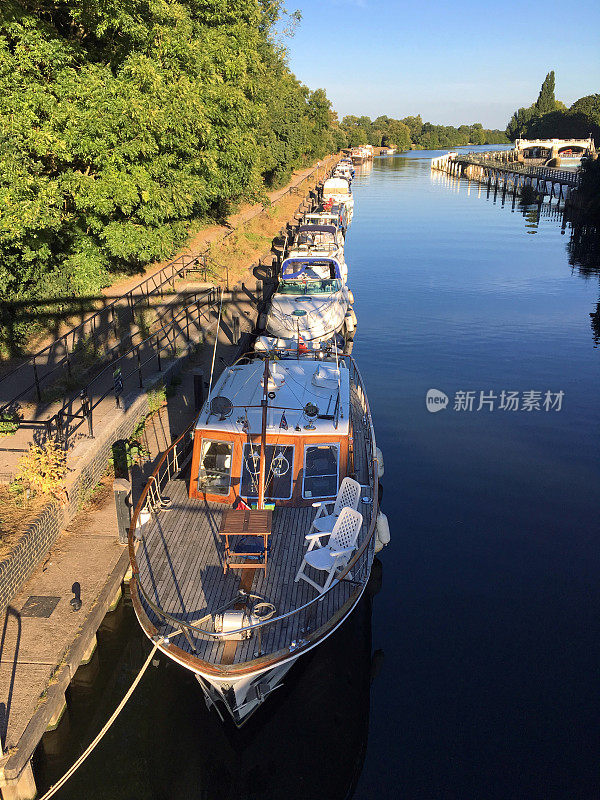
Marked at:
<point>263,437</point>
<point>337,367</point>
<point>212,366</point>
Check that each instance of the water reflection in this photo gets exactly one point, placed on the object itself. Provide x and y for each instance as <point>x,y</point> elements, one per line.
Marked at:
<point>583,246</point>
<point>309,740</point>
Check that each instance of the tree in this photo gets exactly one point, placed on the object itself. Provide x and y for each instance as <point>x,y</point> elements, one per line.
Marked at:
<point>123,121</point>
<point>546,101</point>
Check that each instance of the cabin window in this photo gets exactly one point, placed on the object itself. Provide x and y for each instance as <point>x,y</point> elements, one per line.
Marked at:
<point>279,468</point>
<point>215,467</point>
<point>321,470</point>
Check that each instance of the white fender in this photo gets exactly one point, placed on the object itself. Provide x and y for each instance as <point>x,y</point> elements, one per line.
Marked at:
<point>380,466</point>
<point>350,297</point>
<point>349,323</point>
<point>382,531</point>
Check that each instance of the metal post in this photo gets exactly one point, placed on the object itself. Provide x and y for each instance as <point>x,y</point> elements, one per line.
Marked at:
<point>69,373</point>
<point>37,381</point>
<point>198,389</point>
<point>158,354</point>
<point>59,423</point>
<point>236,329</point>
<point>139,363</point>
<point>86,410</point>
<point>122,494</point>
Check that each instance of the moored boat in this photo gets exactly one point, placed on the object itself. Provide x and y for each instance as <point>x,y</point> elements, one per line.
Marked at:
<point>337,191</point>
<point>319,241</point>
<point>309,306</point>
<point>237,596</point>
<point>336,215</point>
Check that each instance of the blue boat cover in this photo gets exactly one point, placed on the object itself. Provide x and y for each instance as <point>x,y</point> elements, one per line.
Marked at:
<point>293,268</point>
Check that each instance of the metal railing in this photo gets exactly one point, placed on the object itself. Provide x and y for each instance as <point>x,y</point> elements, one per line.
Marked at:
<point>547,173</point>
<point>62,352</point>
<point>78,406</point>
<point>56,360</point>
<point>169,466</point>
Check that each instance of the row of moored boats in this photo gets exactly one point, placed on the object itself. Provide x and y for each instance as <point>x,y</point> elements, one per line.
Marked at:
<point>254,538</point>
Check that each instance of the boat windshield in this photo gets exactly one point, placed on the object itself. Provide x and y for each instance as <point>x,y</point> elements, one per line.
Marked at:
<point>310,287</point>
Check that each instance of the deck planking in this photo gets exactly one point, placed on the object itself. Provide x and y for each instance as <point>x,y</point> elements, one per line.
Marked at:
<point>180,560</point>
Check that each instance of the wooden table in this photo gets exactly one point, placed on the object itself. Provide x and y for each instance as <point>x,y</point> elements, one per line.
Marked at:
<point>246,523</point>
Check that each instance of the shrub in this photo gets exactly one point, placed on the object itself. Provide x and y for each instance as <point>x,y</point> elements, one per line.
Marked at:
<point>43,469</point>
<point>9,424</point>
<point>157,397</point>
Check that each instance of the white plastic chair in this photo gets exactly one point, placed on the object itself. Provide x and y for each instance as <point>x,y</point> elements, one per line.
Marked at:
<point>347,497</point>
<point>332,557</point>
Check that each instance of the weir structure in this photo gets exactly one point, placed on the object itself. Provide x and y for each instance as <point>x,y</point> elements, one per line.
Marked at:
<point>555,148</point>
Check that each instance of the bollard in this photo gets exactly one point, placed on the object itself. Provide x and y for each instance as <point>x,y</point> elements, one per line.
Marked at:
<point>119,451</point>
<point>122,492</point>
<point>198,389</point>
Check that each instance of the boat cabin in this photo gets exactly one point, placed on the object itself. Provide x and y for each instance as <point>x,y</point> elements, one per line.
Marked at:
<point>336,188</point>
<point>301,417</point>
<point>320,275</point>
<point>337,216</point>
<point>326,238</point>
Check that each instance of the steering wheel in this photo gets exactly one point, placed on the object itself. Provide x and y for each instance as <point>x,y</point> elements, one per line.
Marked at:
<point>282,467</point>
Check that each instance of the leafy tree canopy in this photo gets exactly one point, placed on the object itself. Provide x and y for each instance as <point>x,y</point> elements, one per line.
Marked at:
<point>412,132</point>
<point>548,118</point>
<point>123,120</point>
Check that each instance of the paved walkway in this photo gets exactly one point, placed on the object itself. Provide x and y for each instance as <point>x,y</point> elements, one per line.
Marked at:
<point>32,648</point>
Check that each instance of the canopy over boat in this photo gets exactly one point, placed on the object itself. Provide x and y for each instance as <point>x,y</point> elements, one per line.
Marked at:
<point>300,268</point>
<point>336,186</point>
<point>317,229</point>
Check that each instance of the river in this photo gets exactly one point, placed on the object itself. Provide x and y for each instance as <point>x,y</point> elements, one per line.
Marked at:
<point>486,631</point>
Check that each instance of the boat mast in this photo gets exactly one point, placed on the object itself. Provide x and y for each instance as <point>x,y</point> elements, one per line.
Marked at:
<point>263,437</point>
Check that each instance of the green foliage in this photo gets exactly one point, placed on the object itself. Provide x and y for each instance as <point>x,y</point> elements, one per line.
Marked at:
<point>548,118</point>
<point>589,188</point>
<point>157,397</point>
<point>411,132</point>
<point>9,424</point>
<point>132,451</point>
<point>42,469</point>
<point>121,122</point>
<point>546,101</point>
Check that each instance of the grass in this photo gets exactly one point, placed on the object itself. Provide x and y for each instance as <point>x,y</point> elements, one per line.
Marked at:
<point>17,511</point>
<point>9,424</point>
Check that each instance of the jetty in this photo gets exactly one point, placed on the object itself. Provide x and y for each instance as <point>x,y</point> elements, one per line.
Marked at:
<point>506,170</point>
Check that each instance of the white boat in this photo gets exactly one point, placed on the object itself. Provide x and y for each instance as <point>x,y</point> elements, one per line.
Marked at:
<point>319,241</point>
<point>283,436</point>
<point>311,303</point>
<point>336,216</point>
<point>343,170</point>
<point>338,191</point>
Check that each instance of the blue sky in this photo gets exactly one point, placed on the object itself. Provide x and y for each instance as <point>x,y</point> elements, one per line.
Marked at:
<point>455,62</point>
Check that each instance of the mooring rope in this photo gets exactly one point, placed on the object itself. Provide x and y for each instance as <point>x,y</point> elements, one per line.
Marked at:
<point>60,783</point>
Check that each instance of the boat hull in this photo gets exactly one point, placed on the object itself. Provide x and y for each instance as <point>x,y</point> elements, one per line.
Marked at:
<point>239,695</point>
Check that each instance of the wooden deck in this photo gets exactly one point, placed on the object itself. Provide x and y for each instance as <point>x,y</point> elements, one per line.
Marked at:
<point>180,559</point>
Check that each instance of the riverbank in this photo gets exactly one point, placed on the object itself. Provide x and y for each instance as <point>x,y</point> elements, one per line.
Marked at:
<point>45,641</point>
<point>206,240</point>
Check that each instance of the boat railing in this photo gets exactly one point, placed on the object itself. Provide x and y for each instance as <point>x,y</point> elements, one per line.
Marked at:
<point>356,571</point>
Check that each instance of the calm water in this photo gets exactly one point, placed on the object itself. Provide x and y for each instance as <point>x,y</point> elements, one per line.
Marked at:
<point>488,616</point>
